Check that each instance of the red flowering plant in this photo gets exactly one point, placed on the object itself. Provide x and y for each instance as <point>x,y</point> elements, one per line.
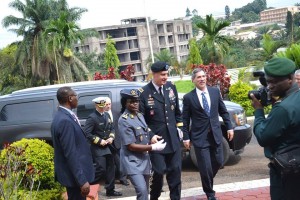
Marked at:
<point>216,76</point>
<point>127,73</point>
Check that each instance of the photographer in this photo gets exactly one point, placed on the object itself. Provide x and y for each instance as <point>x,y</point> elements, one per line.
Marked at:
<point>282,126</point>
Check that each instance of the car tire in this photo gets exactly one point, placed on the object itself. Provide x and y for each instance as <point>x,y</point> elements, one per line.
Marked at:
<point>226,153</point>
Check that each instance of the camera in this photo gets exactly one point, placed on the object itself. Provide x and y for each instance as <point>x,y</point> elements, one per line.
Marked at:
<point>262,93</point>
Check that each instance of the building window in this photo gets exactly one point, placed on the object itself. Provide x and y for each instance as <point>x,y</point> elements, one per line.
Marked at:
<point>178,28</point>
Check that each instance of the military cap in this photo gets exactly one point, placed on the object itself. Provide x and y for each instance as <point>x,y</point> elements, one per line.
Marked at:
<point>159,66</point>
<point>101,101</point>
<point>130,93</point>
<point>279,67</point>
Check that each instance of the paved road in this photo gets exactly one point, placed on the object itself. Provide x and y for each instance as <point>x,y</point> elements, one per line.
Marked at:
<point>251,165</point>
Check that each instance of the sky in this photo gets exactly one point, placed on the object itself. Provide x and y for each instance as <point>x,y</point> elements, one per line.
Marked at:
<point>110,12</point>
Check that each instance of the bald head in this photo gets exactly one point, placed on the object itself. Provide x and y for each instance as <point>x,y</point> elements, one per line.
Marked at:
<point>297,77</point>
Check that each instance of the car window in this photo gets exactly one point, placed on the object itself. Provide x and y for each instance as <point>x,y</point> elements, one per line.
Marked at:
<point>35,111</point>
<point>86,106</point>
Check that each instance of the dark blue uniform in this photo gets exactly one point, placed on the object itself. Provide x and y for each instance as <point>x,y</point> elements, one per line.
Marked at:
<point>162,114</point>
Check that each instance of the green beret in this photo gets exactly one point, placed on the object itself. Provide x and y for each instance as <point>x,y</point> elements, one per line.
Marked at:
<point>279,67</point>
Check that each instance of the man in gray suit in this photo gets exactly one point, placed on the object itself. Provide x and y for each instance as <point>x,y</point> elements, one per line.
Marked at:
<point>201,127</point>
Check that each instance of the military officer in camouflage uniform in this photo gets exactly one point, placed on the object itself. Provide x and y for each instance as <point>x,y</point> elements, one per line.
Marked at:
<point>136,140</point>
<point>99,130</point>
<point>282,126</point>
<point>160,107</point>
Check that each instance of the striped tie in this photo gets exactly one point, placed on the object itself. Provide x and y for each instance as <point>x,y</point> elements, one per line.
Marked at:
<point>205,104</point>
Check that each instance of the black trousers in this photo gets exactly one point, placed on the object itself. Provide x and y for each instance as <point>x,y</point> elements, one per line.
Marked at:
<point>210,160</point>
<point>284,187</point>
<point>74,193</point>
<point>105,170</point>
<point>171,165</point>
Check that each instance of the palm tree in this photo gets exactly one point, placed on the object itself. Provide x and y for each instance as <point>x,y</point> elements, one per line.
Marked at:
<point>36,15</point>
<point>270,46</point>
<point>213,43</point>
<point>62,34</point>
<point>165,55</point>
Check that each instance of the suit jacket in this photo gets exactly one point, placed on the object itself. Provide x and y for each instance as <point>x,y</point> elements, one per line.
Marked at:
<point>162,113</point>
<point>101,126</point>
<point>73,161</point>
<point>201,123</point>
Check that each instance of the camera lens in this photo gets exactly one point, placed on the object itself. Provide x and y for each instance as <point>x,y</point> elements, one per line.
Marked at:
<point>256,93</point>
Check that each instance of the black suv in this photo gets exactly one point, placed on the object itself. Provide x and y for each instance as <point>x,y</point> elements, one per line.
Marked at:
<point>28,113</point>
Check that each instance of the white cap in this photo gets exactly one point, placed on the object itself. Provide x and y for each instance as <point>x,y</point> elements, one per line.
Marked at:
<point>100,100</point>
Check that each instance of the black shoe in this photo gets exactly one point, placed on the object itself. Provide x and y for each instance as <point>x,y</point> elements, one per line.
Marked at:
<point>124,182</point>
<point>212,198</point>
<point>113,193</point>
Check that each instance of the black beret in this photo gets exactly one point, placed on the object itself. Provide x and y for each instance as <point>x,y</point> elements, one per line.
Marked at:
<point>130,93</point>
<point>159,66</point>
<point>279,67</point>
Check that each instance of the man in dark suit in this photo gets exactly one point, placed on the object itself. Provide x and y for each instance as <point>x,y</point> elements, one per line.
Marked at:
<point>160,107</point>
<point>202,107</point>
<point>100,132</point>
<point>72,156</point>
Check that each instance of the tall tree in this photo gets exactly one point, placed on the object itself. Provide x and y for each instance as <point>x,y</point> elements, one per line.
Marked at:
<point>188,12</point>
<point>289,26</point>
<point>110,54</point>
<point>61,34</point>
<point>195,12</point>
<point>32,50</point>
<point>227,12</point>
<point>194,53</point>
<point>215,44</point>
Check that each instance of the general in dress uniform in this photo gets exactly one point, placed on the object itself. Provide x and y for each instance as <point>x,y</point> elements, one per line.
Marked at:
<point>160,107</point>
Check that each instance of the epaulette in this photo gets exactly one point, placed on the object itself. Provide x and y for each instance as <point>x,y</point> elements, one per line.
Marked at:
<point>139,114</point>
<point>125,116</point>
<point>141,90</point>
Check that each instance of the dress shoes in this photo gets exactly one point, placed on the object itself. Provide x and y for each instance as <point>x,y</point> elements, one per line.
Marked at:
<point>113,193</point>
<point>124,182</point>
<point>212,198</point>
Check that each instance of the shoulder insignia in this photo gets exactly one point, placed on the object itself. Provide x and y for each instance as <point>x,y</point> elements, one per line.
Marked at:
<point>131,116</point>
<point>141,90</point>
<point>125,116</point>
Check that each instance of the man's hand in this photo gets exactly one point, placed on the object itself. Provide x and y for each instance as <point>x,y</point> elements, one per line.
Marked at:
<point>103,142</point>
<point>187,144</point>
<point>109,140</point>
<point>230,134</point>
<point>155,139</point>
<point>85,189</point>
<point>158,146</point>
<point>255,102</point>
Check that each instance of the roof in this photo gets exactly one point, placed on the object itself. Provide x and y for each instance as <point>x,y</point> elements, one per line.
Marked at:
<point>76,86</point>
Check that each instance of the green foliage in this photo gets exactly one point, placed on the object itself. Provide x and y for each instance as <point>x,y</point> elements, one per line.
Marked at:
<point>253,8</point>
<point>40,155</point>
<point>270,46</point>
<point>184,86</point>
<point>227,12</point>
<point>46,194</point>
<point>194,55</point>
<point>238,93</point>
<point>110,54</point>
<point>292,53</point>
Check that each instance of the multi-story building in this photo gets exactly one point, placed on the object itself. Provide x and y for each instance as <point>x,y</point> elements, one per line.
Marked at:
<point>133,41</point>
<point>277,15</point>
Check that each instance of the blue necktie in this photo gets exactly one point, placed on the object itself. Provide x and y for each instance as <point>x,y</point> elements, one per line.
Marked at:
<point>205,104</point>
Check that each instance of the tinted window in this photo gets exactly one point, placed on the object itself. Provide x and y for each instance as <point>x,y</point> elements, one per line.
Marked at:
<point>36,111</point>
<point>86,106</point>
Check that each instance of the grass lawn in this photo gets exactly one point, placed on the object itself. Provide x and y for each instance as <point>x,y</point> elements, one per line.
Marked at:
<point>184,86</point>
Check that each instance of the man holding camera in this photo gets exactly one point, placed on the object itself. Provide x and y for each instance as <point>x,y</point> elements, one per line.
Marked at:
<point>282,126</point>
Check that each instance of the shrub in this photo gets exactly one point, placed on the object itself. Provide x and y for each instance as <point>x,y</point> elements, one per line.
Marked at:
<point>39,156</point>
<point>238,93</point>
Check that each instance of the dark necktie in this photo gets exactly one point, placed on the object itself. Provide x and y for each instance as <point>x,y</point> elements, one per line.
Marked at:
<point>205,104</point>
<point>160,92</point>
